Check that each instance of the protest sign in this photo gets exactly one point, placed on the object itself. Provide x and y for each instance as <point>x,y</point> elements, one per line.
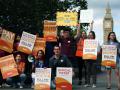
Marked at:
<point>50,31</point>
<point>7,66</point>
<point>90,49</point>
<point>6,41</point>
<point>40,44</point>
<point>109,53</point>
<point>42,78</point>
<point>67,18</point>
<point>64,78</point>
<point>86,16</point>
<point>27,43</point>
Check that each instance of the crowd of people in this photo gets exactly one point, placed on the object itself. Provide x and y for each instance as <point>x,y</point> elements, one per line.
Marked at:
<point>66,52</point>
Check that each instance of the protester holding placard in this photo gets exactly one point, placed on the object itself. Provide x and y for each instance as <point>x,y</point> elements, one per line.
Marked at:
<point>91,65</point>
<point>18,81</point>
<point>79,54</point>
<point>2,54</point>
<point>38,63</point>
<point>57,60</point>
<point>112,40</point>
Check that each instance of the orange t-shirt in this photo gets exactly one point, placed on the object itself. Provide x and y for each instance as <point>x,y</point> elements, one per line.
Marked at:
<point>79,51</point>
<point>21,66</point>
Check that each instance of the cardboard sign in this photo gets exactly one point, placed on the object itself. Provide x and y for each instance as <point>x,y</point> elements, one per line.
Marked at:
<point>27,43</point>
<point>42,78</point>
<point>7,66</point>
<point>67,18</point>
<point>109,53</point>
<point>64,79</point>
<point>40,44</point>
<point>50,31</point>
<point>90,49</point>
<point>6,41</point>
<point>86,16</point>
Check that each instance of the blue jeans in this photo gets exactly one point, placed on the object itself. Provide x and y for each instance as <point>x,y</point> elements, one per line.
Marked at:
<point>17,79</point>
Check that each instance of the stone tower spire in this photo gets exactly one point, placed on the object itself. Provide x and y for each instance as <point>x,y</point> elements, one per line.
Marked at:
<point>107,22</point>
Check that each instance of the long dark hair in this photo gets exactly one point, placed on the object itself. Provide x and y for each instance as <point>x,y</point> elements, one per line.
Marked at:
<point>108,39</point>
<point>43,55</point>
<point>93,33</point>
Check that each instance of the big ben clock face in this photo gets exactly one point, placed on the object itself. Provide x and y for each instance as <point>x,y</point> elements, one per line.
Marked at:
<point>107,24</point>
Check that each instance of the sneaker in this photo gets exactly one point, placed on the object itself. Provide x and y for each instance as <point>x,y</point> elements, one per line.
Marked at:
<point>86,85</point>
<point>93,86</point>
<point>21,86</point>
<point>53,84</point>
<point>32,86</point>
<point>0,86</point>
<point>7,85</point>
<point>109,87</point>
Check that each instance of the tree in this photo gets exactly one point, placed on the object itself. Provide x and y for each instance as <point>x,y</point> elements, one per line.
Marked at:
<point>28,15</point>
<point>46,9</point>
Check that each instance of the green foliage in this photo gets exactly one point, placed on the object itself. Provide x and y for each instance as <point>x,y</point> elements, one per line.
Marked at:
<point>28,15</point>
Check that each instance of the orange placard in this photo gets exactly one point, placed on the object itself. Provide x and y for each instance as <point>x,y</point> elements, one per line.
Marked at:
<point>50,31</point>
<point>7,66</point>
<point>40,44</point>
<point>64,78</point>
<point>6,41</point>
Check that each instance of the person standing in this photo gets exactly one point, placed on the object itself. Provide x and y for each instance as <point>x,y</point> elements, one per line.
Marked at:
<point>79,53</point>
<point>112,40</point>
<point>91,66</point>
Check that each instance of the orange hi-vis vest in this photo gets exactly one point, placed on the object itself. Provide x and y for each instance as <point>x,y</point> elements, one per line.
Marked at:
<point>79,51</point>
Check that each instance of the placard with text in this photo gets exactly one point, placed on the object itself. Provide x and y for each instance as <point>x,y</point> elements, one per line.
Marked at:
<point>109,53</point>
<point>64,78</point>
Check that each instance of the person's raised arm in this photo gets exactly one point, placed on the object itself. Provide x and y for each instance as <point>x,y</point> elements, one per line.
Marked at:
<point>78,31</point>
<point>91,25</point>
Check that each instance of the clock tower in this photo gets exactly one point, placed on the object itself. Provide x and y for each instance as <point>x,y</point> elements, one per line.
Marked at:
<point>107,22</point>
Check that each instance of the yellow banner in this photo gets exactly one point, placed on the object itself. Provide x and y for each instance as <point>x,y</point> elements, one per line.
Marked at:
<point>67,18</point>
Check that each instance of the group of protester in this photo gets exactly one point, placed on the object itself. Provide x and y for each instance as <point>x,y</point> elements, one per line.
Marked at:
<point>66,50</point>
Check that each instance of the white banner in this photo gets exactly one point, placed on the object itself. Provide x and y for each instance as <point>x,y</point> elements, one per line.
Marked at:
<point>109,53</point>
<point>27,42</point>
<point>86,16</point>
<point>42,78</point>
<point>90,49</point>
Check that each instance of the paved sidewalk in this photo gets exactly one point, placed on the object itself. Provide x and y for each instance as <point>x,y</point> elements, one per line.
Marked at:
<point>101,84</point>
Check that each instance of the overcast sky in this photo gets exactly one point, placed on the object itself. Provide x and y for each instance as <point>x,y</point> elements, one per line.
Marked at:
<point>99,7</point>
